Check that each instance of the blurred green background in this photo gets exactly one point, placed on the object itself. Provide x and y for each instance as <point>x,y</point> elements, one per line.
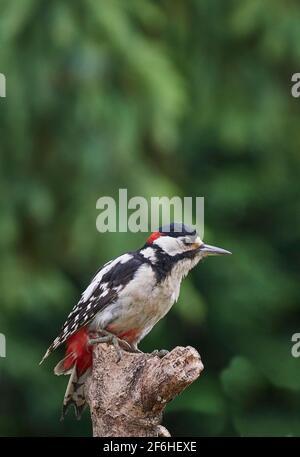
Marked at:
<point>188,98</point>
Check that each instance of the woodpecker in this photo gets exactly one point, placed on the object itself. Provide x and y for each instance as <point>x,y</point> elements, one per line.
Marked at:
<point>124,300</point>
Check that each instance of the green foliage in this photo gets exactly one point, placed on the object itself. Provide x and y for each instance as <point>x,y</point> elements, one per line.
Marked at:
<point>163,98</point>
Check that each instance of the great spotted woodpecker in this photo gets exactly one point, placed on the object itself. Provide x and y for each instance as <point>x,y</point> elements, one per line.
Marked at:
<point>124,300</point>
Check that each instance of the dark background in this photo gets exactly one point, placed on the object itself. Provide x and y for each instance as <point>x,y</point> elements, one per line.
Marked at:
<point>163,98</point>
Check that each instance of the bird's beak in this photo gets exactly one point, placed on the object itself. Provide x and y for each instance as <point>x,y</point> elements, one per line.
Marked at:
<point>206,249</point>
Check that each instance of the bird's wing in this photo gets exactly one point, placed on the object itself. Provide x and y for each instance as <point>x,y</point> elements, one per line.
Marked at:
<point>103,290</point>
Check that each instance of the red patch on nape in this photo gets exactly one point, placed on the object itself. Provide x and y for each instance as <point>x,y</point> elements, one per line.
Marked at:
<point>78,351</point>
<point>154,237</point>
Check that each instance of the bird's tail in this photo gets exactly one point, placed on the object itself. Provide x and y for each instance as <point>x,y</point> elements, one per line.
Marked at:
<point>75,392</point>
<point>77,364</point>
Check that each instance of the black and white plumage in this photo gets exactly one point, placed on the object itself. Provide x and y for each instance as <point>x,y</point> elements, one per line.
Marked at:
<point>102,291</point>
<point>130,294</point>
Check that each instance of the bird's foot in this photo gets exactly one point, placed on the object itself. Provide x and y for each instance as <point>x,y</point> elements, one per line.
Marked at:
<point>160,352</point>
<point>110,338</point>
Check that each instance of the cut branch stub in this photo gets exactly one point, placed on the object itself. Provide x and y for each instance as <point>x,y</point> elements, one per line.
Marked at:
<point>127,398</point>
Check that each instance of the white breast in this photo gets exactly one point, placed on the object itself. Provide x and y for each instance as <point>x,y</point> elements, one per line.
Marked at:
<point>143,302</point>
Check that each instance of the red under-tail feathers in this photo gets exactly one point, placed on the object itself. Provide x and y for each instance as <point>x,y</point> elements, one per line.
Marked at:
<point>78,351</point>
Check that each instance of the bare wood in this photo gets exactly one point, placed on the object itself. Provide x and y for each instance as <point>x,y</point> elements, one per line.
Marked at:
<point>128,398</point>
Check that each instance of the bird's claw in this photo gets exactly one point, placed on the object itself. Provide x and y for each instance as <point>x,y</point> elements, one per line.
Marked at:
<point>110,338</point>
<point>119,344</point>
<point>160,352</point>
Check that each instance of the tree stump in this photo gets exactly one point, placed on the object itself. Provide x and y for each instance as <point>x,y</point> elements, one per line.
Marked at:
<point>128,398</point>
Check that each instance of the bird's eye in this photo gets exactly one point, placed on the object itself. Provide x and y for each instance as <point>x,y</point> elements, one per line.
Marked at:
<point>186,242</point>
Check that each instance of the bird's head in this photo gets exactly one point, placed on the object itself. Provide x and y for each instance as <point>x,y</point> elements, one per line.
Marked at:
<point>178,238</point>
